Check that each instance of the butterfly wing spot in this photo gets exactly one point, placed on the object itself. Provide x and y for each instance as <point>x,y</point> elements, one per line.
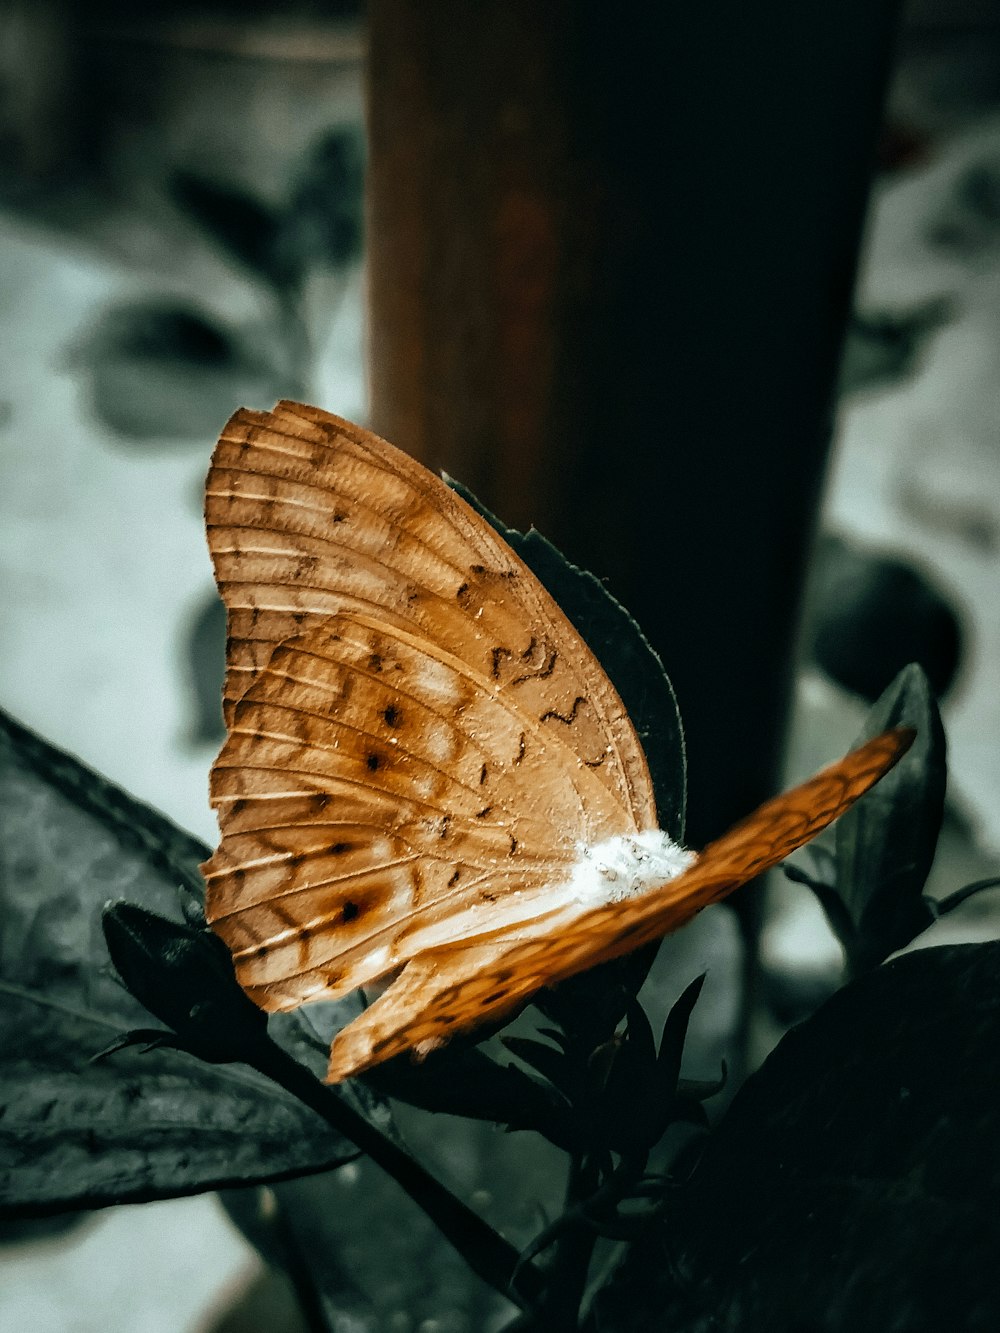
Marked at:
<point>437,683</point>
<point>392,716</point>
<point>481,572</point>
<point>542,672</point>
<point>482,775</point>
<point>349,911</point>
<point>373,762</point>
<point>497,657</point>
<point>456,876</point>
<point>305,565</point>
<point>567,719</point>
<point>440,745</point>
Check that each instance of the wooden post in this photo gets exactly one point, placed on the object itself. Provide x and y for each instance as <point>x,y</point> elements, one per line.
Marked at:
<point>611,254</point>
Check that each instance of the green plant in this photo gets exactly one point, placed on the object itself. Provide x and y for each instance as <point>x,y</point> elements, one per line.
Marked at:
<point>666,1220</point>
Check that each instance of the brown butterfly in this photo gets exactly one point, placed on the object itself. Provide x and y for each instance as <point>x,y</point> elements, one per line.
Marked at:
<point>427,774</point>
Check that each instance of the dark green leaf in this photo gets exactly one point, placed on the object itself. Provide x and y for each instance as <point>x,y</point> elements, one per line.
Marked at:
<point>623,1110</point>
<point>885,843</point>
<point>184,976</point>
<point>639,1034</point>
<point>463,1080</point>
<point>623,651</point>
<point>25,1230</point>
<point>357,1230</point>
<point>703,1089</point>
<point>940,906</point>
<point>870,614</point>
<point>640,1100</point>
<point>324,221</point>
<point>139,850</point>
<point>883,348</point>
<point>551,1063</point>
<point>459,1079</point>
<point>816,867</point>
<point>854,1183</point>
<point>589,1006</point>
<point>74,1134</point>
<point>243,226</point>
<point>281,1222</point>
<point>671,1052</point>
<point>163,372</point>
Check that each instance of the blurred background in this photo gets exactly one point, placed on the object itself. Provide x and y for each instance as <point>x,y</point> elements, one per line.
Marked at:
<point>628,282</point>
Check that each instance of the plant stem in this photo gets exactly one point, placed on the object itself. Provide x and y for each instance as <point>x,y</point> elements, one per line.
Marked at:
<point>486,1252</point>
<point>306,1291</point>
<point>574,1251</point>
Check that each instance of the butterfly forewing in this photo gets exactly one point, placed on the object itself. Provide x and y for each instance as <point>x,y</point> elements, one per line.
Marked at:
<point>309,515</point>
<point>452,990</point>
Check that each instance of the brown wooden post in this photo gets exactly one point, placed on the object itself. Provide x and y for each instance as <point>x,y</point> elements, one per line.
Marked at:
<point>468,192</point>
<point>611,252</point>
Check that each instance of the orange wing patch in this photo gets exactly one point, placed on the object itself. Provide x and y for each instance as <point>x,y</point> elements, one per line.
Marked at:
<point>374,798</point>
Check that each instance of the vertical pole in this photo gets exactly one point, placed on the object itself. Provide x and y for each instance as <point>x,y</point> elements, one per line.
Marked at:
<point>468,193</point>
<point>611,254</point>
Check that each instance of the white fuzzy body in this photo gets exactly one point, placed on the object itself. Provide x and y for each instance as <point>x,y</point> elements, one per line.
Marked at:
<point>622,867</point>
<point>626,866</point>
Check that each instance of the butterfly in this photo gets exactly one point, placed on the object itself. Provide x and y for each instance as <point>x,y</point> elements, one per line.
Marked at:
<point>427,777</point>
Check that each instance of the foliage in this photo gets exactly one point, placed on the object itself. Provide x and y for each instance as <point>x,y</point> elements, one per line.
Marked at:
<point>163,369</point>
<point>871,885</point>
<point>707,1227</point>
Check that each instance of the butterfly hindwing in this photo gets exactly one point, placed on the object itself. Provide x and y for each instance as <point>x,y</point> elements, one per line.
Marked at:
<point>374,798</point>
